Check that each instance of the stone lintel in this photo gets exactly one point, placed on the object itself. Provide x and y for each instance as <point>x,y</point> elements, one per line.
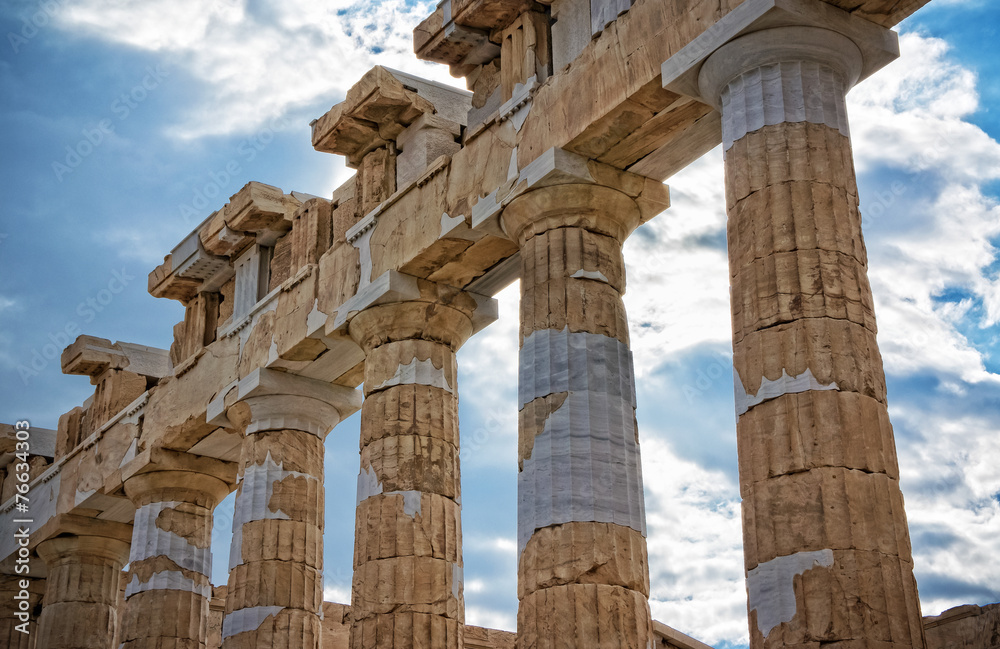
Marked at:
<point>92,356</point>
<point>560,167</point>
<point>879,46</point>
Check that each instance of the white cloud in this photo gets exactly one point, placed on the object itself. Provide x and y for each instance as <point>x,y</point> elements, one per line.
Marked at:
<point>490,618</point>
<point>938,223</point>
<point>678,274</point>
<point>257,64</point>
<point>695,546</point>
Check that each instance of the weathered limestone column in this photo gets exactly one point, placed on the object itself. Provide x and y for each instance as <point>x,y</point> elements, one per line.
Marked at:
<point>583,577</point>
<point>825,538</point>
<point>408,585</point>
<point>81,591</point>
<point>275,589</point>
<point>166,599</point>
<point>12,593</point>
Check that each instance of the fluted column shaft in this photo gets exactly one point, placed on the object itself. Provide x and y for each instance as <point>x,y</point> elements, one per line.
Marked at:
<point>19,596</point>
<point>408,578</point>
<point>275,588</point>
<point>583,576</point>
<point>81,591</point>
<point>826,545</point>
<point>170,563</point>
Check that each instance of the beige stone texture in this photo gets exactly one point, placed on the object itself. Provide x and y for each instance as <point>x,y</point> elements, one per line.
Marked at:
<point>311,235</point>
<point>288,629</point>
<point>825,508</point>
<point>216,612</point>
<point>818,469</point>
<point>964,627</point>
<point>70,431</point>
<point>384,529</point>
<point>789,286</point>
<point>584,553</point>
<point>81,592</point>
<point>531,423</point>
<point>409,410</point>
<point>476,637</point>
<point>524,51</point>
<point>282,540</point>
<point>833,351</point>
<point>407,629</point>
<point>814,429</point>
<point>197,330</point>
<point>584,615</point>
<point>407,584</point>
<point>280,267</point>
<point>867,597</point>
<point>414,463</point>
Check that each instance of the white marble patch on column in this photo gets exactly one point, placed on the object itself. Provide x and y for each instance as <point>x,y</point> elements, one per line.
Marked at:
<point>457,581</point>
<point>247,619</point>
<point>369,485</point>
<point>781,386</point>
<point>254,498</point>
<point>148,541</point>
<point>167,580</point>
<point>794,91</point>
<point>771,590</point>
<point>585,463</point>
<point>418,372</point>
<point>590,274</point>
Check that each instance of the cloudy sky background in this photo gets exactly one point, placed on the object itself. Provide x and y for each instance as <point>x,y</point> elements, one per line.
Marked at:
<point>234,83</point>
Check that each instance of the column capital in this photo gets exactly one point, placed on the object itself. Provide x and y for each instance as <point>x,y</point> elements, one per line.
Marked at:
<point>596,208</point>
<point>77,548</point>
<point>792,44</point>
<point>160,475</point>
<point>559,167</point>
<point>177,486</point>
<point>428,311</point>
<point>272,400</point>
<point>877,45</point>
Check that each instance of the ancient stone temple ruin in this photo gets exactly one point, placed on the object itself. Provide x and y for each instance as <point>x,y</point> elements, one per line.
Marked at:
<point>300,310</point>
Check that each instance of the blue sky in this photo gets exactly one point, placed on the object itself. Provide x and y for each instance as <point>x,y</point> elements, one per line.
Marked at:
<point>125,123</point>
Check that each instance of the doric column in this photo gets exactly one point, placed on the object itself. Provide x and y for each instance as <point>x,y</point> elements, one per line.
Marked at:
<point>275,589</point>
<point>583,578</point>
<point>19,596</point>
<point>170,564</point>
<point>825,538</point>
<point>408,588</point>
<point>81,591</point>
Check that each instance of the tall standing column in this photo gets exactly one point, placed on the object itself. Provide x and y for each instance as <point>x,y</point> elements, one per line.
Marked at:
<point>81,591</point>
<point>583,576</point>
<point>408,587</point>
<point>275,591</point>
<point>166,599</point>
<point>825,538</point>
